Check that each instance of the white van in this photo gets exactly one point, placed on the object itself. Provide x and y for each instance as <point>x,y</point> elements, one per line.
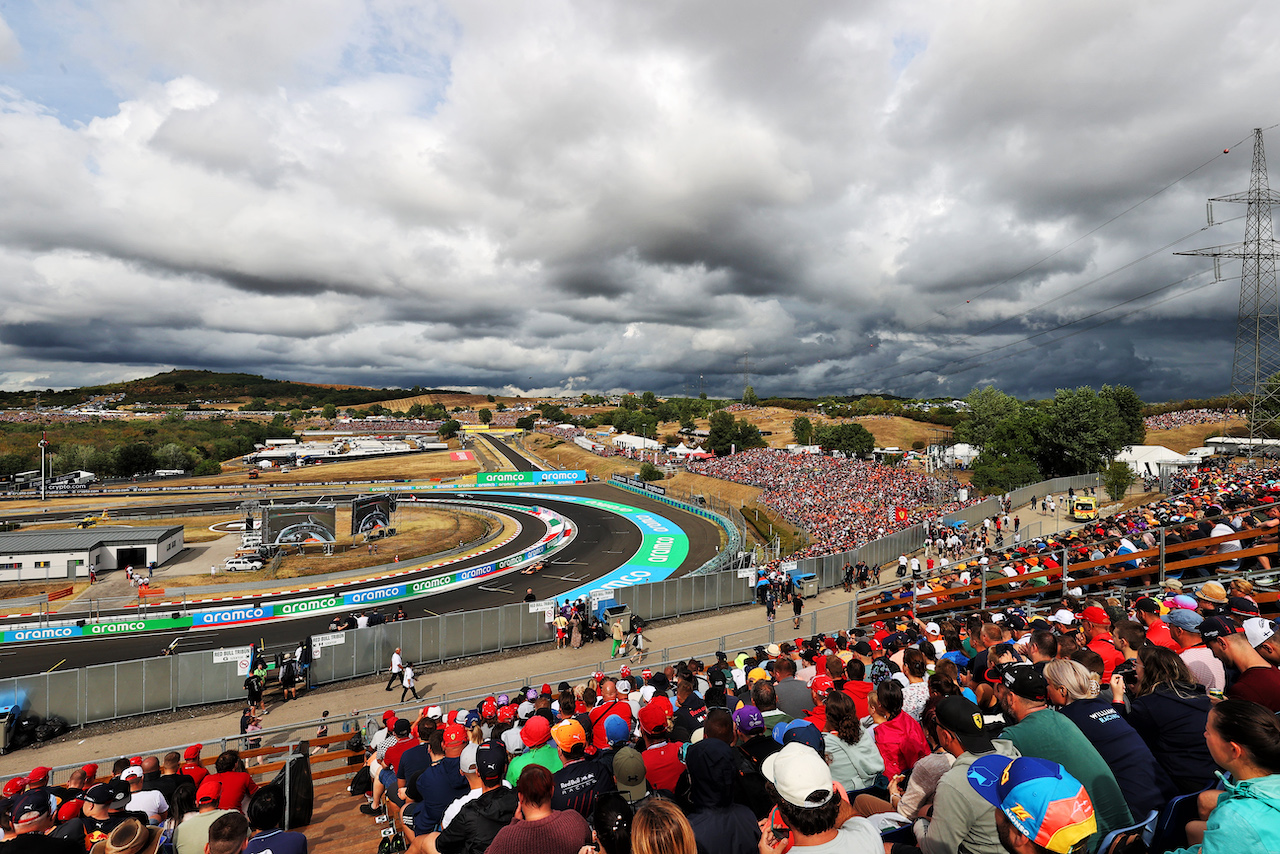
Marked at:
<point>242,564</point>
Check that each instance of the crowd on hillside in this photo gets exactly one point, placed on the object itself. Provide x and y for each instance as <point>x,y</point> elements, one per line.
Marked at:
<point>1188,417</point>
<point>841,503</point>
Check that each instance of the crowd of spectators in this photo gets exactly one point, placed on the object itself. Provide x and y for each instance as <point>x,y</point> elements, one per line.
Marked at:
<point>841,503</point>
<point>1189,417</point>
<point>912,732</point>
<point>147,804</point>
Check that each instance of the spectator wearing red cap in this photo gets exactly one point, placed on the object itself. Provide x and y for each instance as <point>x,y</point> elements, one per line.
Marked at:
<point>193,767</point>
<point>1097,628</point>
<point>441,784</point>
<point>237,784</point>
<point>386,784</point>
<point>581,780</point>
<point>1258,681</point>
<point>535,735</point>
<point>819,687</point>
<point>662,764</point>
<point>192,835</point>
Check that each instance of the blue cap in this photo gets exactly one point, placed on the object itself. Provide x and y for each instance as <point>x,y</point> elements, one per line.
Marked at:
<point>1039,798</point>
<point>801,731</point>
<point>616,729</point>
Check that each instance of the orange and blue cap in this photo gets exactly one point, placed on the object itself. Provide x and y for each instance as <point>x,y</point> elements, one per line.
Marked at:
<point>1041,800</point>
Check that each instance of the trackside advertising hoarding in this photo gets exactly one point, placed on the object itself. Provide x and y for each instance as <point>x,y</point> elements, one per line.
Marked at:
<point>529,478</point>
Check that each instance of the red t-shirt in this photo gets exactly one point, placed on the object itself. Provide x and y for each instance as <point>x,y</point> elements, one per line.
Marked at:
<point>1158,634</point>
<point>1104,646</point>
<point>395,751</point>
<point>1259,685</point>
<point>601,713</point>
<point>662,766</point>
<point>236,785</point>
<point>195,771</point>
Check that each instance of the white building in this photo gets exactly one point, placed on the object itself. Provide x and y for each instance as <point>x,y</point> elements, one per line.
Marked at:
<point>1145,460</point>
<point>43,555</point>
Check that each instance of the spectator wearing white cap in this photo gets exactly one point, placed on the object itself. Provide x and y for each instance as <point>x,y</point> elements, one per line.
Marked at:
<point>801,787</point>
<point>150,802</point>
<point>1262,637</point>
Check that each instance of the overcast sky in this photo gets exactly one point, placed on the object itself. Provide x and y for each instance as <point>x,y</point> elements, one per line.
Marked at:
<point>551,197</point>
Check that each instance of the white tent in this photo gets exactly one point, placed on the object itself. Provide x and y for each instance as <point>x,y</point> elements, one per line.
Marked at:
<point>1146,459</point>
<point>631,442</point>
<point>683,451</point>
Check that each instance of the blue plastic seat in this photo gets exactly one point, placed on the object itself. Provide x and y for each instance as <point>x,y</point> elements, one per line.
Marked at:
<point>1147,827</point>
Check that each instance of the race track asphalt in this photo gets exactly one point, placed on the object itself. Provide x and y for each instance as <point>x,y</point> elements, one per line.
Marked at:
<point>603,542</point>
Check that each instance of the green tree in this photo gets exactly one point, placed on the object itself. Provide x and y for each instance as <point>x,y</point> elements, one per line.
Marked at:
<point>295,415</point>
<point>206,467</point>
<point>489,398</point>
<point>172,456</point>
<point>1077,432</point>
<point>329,411</point>
<point>749,397</point>
<point>526,422</point>
<point>1131,426</point>
<point>648,471</point>
<point>501,407</point>
<point>450,428</point>
<point>134,458</point>
<point>721,433</point>
<point>747,435</point>
<point>1117,479</point>
<point>852,439</point>
<point>998,473</point>
<point>11,464</point>
<point>988,406</point>
<point>485,416</point>
<point>648,400</point>
<point>802,429</point>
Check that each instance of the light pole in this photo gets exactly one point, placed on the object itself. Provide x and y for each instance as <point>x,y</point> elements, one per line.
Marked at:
<point>44,443</point>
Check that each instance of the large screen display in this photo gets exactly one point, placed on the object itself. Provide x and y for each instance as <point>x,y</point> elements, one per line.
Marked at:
<point>370,512</point>
<point>296,524</point>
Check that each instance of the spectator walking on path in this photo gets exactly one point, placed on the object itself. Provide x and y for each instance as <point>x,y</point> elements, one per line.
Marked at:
<point>408,683</point>
<point>397,667</point>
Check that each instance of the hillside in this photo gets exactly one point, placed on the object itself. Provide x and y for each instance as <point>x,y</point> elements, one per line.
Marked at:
<point>183,387</point>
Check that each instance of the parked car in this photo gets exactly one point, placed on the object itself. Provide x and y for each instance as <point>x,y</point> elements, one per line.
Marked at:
<point>242,564</point>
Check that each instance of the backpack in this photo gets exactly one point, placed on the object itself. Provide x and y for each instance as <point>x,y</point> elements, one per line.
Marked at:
<point>362,782</point>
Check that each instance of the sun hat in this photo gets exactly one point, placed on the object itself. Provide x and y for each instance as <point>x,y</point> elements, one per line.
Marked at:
<point>536,732</point>
<point>1212,591</point>
<point>129,837</point>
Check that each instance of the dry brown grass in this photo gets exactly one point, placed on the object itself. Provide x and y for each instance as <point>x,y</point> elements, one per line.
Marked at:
<point>422,531</point>
<point>1183,439</point>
